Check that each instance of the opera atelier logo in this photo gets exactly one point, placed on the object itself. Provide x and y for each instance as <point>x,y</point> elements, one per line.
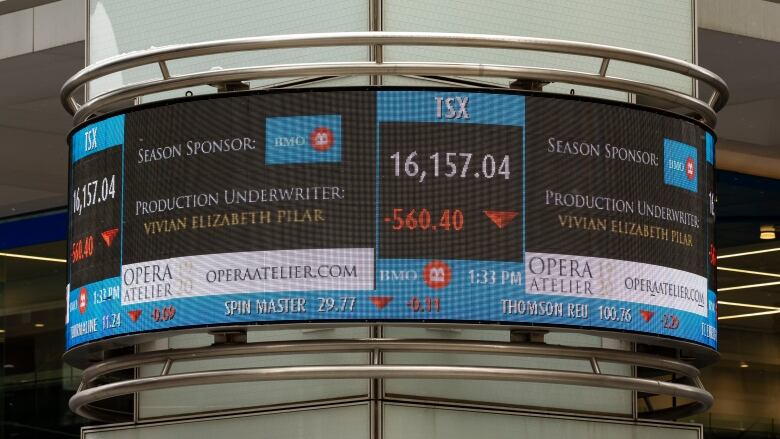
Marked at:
<point>321,139</point>
<point>437,274</point>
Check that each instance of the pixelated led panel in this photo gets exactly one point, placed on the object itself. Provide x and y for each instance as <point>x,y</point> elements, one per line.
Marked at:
<point>405,205</point>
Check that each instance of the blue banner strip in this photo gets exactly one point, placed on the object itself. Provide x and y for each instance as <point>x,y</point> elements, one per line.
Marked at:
<point>449,106</point>
<point>112,319</point>
<point>475,291</point>
<point>97,137</point>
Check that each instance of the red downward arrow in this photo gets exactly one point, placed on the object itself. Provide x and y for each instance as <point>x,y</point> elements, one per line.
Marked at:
<point>647,315</point>
<point>380,301</point>
<point>108,237</point>
<point>501,219</point>
<point>134,314</point>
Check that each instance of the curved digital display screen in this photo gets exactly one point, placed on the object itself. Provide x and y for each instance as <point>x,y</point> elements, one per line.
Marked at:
<point>423,205</point>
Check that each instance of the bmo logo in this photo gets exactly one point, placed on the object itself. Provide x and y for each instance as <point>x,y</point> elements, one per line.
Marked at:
<point>690,168</point>
<point>321,139</point>
<point>397,275</point>
<point>680,165</point>
<point>289,141</point>
<point>437,274</point>
<point>83,300</point>
<point>303,139</point>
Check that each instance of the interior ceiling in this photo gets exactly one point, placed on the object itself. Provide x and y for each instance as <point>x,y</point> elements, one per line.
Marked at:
<point>33,151</point>
<point>751,68</point>
<point>33,126</point>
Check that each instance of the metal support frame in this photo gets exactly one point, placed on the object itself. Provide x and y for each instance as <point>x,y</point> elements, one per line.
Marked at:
<point>688,387</point>
<point>376,388</point>
<point>375,40</point>
<point>688,384</point>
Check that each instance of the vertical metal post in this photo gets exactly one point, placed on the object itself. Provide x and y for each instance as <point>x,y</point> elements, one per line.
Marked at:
<point>695,44</point>
<point>634,393</point>
<point>166,74</point>
<point>376,389</point>
<point>375,24</point>
<point>136,398</point>
<point>604,66</point>
<point>86,46</point>
<point>594,365</point>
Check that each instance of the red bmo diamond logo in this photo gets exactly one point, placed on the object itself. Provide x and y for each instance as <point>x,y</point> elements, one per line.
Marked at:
<point>321,139</point>
<point>713,255</point>
<point>437,274</point>
<point>690,168</point>
<point>82,300</point>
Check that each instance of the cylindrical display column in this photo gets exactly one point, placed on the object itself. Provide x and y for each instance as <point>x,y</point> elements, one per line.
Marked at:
<point>397,233</point>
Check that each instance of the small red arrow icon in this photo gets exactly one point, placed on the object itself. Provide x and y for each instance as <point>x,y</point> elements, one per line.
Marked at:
<point>713,255</point>
<point>647,315</point>
<point>500,218</point>
<point>380,301</point>
<point>134,314</point>
<point>109,235</point>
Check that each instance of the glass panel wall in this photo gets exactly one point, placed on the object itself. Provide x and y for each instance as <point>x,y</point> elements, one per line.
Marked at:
<point>36,384</point>
<point>746,381</point>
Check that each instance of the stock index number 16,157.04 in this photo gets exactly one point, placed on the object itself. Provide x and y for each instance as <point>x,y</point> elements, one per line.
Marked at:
<point>450,165</point>
<point>93,193</point>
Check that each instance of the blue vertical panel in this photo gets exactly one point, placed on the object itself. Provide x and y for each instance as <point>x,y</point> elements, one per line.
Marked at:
<point>33,230</point>
<point>710,148</point>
